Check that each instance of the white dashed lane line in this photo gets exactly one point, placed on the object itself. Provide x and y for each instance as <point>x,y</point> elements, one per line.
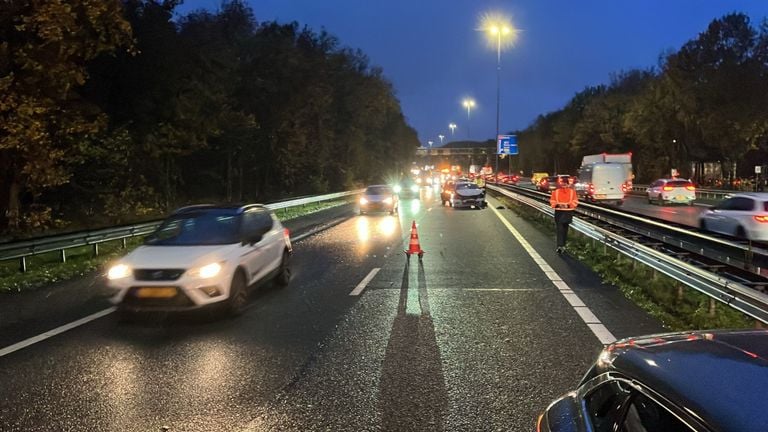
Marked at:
<point>363,283</point>
<point>600,331</point>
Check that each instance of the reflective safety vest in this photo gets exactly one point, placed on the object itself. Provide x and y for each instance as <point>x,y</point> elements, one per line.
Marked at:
<point>564,199</point>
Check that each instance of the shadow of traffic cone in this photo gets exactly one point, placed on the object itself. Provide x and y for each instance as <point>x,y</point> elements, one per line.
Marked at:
<point>413,246</point>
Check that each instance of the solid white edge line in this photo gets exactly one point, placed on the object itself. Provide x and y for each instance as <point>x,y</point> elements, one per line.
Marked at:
<point>598,329</point>
<point>363,283</point>
<point>58,330</point>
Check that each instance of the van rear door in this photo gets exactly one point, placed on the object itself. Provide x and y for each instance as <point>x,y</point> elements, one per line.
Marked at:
<point>608,180</point>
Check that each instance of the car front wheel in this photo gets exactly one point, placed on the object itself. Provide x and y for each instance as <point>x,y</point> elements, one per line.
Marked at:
<point>238,295</point>
<point>284,276</point>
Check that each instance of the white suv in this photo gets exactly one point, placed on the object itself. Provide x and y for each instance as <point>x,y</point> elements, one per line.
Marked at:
<point>203,255</point>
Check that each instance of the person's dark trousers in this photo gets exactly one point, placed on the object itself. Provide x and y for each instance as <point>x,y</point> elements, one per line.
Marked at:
<point>562,220</point>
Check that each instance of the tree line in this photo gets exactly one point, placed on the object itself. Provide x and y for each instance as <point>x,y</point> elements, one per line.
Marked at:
<point>111,110</point>
<point>706,103</point>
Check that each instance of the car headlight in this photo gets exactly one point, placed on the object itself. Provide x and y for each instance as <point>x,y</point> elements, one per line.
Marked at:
<point>118,271</point>
<point>418,180</point>
<point>363,201</point>
<point>414,188</point>
<point>388,200</point>
<point>209,271</point>
<point>397,189</point>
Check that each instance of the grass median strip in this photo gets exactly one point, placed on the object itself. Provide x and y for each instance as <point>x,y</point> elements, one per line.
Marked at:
<point>675,305</point>
<point>46,269</point>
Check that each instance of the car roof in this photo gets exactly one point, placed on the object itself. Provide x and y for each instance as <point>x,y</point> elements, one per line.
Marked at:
<point>756,195</point>
<point>720,376</point>
<point>237,208</point>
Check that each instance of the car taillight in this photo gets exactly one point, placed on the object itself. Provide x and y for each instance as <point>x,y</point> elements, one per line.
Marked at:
<point>691,187</point>
<point>667,188</point>
<point>286,233</point>
<point>591,188</point>
<point>624,187</point>
<point>762,218</point>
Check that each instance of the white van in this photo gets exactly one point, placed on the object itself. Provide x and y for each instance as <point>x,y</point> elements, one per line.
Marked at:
<point>602,183</point>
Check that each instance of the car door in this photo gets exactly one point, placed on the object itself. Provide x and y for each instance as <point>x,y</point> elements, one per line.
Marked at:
<point>739,208</point>
<point>257,223</point>
<point>717,215</point>
<point>644,413</point>
<point>654,188</point>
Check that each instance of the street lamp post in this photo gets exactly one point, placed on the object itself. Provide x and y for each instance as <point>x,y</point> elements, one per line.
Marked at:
<point>498,27</point>
<point>452,127</point>
<point>468,104</point>
<point>441,136</point>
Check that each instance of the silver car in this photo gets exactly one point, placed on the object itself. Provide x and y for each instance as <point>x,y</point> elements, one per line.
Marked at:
<point>743,215</point>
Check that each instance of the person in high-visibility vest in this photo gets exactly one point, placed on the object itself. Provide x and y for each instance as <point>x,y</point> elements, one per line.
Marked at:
<point>564,200</point>
<point>480,181</point>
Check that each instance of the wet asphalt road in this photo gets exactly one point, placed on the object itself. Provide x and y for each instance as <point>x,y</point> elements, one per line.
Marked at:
<point>474,337</point>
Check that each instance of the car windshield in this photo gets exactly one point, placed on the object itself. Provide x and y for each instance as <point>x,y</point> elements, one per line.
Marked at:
<point>461,186</point>
<point>378,190</point>
<point>197,229</point>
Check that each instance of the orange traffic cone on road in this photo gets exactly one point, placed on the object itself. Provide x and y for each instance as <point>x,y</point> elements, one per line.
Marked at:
<point>413,246</point>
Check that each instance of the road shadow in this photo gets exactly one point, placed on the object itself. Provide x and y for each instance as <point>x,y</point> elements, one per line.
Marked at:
<point>412,392</point>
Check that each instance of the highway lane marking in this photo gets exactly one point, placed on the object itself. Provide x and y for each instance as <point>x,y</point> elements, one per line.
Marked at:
<point>363,283</point>
<point>598,329</point>
<point>499,289</point>
<point>58,330</point>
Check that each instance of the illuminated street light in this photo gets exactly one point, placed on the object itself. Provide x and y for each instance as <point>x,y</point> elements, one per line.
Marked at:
<point>499,30</point>
<point>441,136</point>
<point>468,104</point>
<point>452,127</point>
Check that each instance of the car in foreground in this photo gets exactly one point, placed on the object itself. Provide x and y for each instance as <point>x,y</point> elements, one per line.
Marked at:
<point>200,256</point>
<point>468,194</point>
<point>743,215</point>
<point>379,198</point>
<point>671,191</point>
<point>692,381</point>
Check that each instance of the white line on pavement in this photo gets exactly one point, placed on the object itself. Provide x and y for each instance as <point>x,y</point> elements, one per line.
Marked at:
<point>363,283</point>
<point>598,329</point>
<point>58,330</point>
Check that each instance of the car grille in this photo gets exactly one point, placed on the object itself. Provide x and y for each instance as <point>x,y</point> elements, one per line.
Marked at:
<point>157,274</point>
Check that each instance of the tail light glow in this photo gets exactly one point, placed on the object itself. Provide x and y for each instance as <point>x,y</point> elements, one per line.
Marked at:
<point>762,218</point>
<point>668,188</point>
<point>690,187</point>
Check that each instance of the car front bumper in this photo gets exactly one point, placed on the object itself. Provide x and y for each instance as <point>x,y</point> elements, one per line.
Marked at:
<point>467,202</point>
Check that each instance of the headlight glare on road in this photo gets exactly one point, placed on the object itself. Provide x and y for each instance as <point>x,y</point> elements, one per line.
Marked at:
<point>118,271</point>
<point>363,201</point>
<point>209,271</point>
<point>397,189</point>
<point>414,188</point>
<point>388,200</point>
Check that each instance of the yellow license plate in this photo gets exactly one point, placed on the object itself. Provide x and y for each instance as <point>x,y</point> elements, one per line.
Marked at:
<point>680,198</point>
<point>600,196</point>
<point>156,292</point>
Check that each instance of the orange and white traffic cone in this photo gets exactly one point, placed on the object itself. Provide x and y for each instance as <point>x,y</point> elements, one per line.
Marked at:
<point>413,246</point>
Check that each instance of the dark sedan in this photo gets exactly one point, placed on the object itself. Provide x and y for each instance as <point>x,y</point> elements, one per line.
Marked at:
<point>694,381</point>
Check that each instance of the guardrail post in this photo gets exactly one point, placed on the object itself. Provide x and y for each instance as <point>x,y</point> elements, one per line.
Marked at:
<point>63,255</point>
<point>95,249</point>
<point>123,244</point>
<point>712,304</point>
<point>679,293</point>
<point>23,264</point>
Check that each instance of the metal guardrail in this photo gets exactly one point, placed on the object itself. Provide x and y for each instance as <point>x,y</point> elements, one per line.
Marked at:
<point>21,250</point>
<point>736,295</point>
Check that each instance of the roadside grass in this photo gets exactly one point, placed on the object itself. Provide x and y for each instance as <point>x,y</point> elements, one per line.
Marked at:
<point>47,268</point>
<point>675,305</point>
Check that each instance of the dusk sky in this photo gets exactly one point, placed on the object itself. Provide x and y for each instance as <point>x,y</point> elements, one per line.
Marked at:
<point>435,57</point>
